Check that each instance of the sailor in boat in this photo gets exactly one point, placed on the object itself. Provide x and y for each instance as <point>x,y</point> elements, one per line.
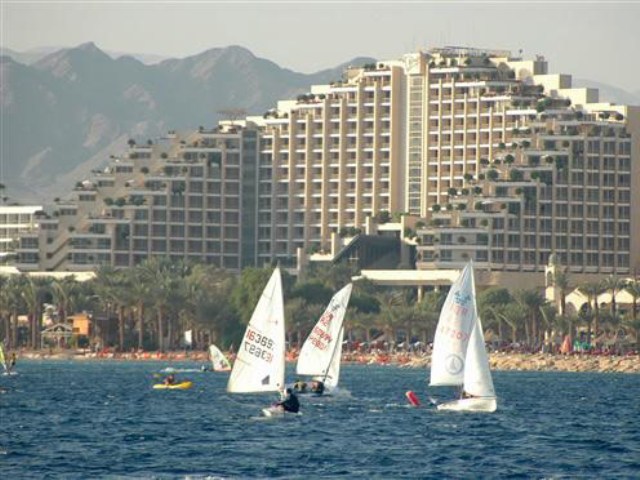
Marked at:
<point>12,363</point>
<point>169,379</point>
<point>290,402</point>
<point>317,387</point>
<point>299,386</point>
<point>464,394</point>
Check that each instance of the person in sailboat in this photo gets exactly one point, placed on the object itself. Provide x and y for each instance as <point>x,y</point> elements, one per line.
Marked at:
<point>169,379</point>
<point>300,386</point>
<point>12,363</point>
<point>317,387</point>
<point>290,402</point>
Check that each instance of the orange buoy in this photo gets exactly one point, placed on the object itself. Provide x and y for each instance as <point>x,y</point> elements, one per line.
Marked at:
<point>413,398</point>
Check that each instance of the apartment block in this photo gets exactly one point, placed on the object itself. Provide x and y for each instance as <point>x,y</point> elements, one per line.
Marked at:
<point>514,164</point>
<point>329,159</point>
<point>190,197</point>
<point>14,221</point>
<point>486,156</point>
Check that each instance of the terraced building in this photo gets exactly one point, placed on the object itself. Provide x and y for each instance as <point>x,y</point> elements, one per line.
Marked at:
<point>487,156</point>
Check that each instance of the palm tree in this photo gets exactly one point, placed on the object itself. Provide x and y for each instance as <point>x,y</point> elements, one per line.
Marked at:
<point>633,287</point>
<point>111,288</point>
<point>562,283</point>
<point>34,292</point>
<point>139,291</point>
<point>166,293</point>
<point>531,301</point>
<point>513,315</point>
<point>490,303</point>
<point>593,290</point>
<point>388,319</point>
<point>429,311</point>
<point>207,293</point>
<point>5,311</point>
<point>614,284</point>
<point>13,303</point>
<point>63,296</point>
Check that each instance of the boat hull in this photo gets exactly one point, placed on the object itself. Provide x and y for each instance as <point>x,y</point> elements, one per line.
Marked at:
<point>276,411</point>
<point>176,386</point>
<point>487,405</point>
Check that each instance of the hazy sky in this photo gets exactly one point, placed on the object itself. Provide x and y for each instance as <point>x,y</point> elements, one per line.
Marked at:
<point>597,40</point>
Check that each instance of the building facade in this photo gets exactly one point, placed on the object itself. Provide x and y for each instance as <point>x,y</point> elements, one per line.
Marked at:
<point>188,197</point>
<point>489,157</point>
<point>15,220</point>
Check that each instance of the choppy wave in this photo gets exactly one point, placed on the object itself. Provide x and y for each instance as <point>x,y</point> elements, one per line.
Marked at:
<point>61,419</point>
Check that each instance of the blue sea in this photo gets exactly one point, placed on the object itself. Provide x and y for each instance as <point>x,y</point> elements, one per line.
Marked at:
<point>94,420</point>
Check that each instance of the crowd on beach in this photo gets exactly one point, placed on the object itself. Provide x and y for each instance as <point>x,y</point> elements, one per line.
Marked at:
<point>417,355</point>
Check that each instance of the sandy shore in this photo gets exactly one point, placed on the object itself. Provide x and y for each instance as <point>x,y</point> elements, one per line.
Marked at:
<point>499,360</point>
<point>561,363</point>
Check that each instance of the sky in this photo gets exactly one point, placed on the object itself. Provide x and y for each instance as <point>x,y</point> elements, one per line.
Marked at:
<point>590,39</point>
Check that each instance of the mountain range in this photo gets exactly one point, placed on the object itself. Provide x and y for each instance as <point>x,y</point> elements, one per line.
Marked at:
<point>64,111</point>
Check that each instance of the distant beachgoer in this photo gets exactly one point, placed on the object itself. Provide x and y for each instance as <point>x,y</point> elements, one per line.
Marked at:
<point>12,363</point>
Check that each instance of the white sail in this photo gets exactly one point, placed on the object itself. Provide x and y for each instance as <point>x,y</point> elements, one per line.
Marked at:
<point>3,362</point>
<point>219,362</point>
<point>260,363</point>
<point>453,332</point>
<point>322,351</point>
<point>477,376</point>
<point>459,355</point>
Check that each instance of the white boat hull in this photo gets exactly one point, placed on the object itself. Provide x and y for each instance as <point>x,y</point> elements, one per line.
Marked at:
<point>273,412</point>
<point>487,405</point>
<point>278,412</point>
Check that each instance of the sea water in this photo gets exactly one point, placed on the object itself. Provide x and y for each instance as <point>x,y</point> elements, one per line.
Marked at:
<point>93,419</point>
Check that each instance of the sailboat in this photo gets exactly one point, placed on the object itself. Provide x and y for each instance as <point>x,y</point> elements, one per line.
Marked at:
<point>8,370</point>
<point>459,356</point>
<point>3,362</point>
<point>219,362</point>
<point>321,353</point>
<point>260,362</point>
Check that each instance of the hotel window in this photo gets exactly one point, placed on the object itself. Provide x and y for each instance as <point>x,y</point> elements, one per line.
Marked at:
<point>176,245</point>
<point>158,246</point>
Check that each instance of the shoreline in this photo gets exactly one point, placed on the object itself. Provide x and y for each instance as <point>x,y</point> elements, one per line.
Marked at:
<point>499,361</point>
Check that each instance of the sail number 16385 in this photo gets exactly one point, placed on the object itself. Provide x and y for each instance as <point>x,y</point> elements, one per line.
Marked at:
<point>258,345</point>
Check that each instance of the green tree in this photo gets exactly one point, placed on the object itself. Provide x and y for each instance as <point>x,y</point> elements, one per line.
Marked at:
<point>531,301</point>
<point>633,287</point>
<point>614,285</point>
<point>34,293</point>
<point>592,290</point>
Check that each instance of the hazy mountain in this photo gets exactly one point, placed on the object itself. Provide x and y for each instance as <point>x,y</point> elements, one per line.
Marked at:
<point>64,114</point>
<point>66,111</point>
<point>609,93</point>
<point>30,57</point>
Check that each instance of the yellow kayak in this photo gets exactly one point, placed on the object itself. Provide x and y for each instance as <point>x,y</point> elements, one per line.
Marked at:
<point>174,386</point>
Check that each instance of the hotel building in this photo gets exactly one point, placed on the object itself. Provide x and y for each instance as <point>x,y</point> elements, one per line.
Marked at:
<point>189,197</point>
<point>488,156</point>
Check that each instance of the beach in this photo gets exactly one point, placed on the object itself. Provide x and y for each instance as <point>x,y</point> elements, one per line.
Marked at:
<point>575,362</point>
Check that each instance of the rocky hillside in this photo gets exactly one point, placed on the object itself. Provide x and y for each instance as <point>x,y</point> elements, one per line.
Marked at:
<point>65,113</point>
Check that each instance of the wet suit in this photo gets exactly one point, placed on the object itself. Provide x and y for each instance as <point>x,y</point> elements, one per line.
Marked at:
<point>290,403</point>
